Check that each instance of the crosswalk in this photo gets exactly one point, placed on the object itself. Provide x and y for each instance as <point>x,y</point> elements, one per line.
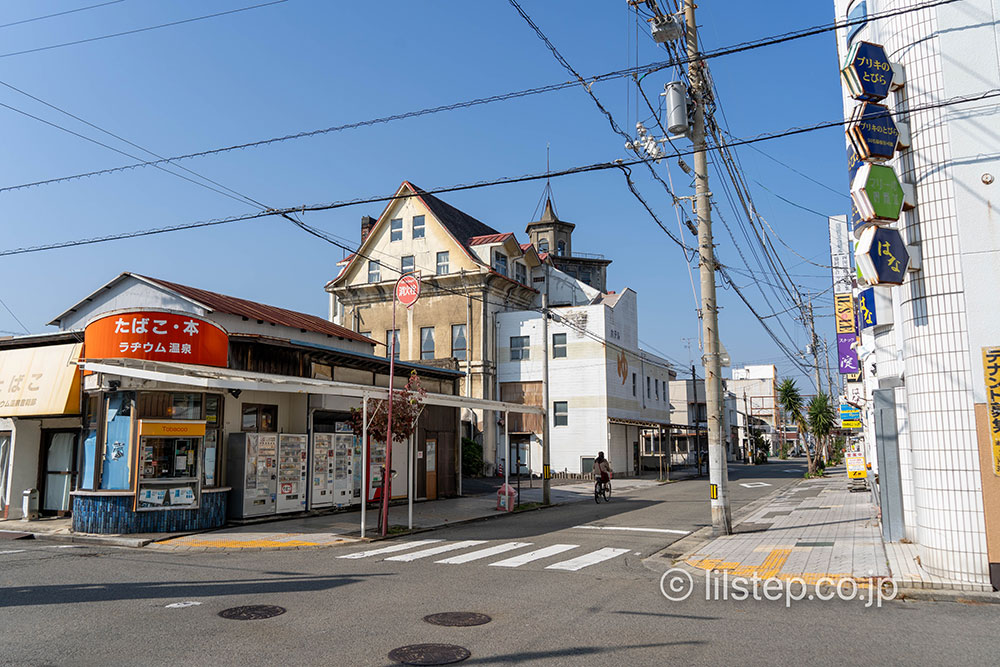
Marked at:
<point>483,551</point>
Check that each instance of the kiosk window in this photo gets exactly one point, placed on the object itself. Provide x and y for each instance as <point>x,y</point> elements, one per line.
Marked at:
<point>259,418</point>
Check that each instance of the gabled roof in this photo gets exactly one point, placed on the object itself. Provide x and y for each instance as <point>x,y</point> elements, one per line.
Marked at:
<point>461,225</point>
<point>252,310</point>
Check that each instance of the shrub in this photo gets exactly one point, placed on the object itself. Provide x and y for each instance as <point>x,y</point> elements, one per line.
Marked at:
<point>472,458</point>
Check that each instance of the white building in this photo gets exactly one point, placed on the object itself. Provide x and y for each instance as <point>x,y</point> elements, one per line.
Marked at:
<point>938,478</point>
<point>604,392</point>
<point>756,392</point>
<point>689,419</point>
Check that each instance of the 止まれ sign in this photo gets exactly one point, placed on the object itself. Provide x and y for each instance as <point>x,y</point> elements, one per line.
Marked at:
<point>157,336</point>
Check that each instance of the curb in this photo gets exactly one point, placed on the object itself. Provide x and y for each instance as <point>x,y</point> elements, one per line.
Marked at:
<point>106,540</point>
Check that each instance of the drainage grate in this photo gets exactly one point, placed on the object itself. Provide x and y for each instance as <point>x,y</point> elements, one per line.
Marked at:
<point>458,619</point>
<point>814,544</point>
<point>429,654</point>
<point>253,612</point>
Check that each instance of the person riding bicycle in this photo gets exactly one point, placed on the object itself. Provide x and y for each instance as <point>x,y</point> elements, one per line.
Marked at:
<point>602,468</point>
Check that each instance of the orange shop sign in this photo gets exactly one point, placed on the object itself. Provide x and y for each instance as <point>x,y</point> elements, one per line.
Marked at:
<point>157,336</point>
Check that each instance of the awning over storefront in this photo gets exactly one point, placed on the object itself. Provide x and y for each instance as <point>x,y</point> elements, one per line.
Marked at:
<point>225,378</point>
<point>40,381</point>
<point>644,423</point>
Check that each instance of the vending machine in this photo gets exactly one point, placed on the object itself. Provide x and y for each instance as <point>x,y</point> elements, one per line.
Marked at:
<point>252,471</point>
<point>292,472</point>
<point>376,459</point>
<point>322,470</point>
<point>345,462</point>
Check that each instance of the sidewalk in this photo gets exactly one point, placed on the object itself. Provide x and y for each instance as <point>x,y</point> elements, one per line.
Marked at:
<point>813,530</point>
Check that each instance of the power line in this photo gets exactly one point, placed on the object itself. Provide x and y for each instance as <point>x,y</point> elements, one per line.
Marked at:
<point>138,30</point>
<point>69,11</point>
<point>7,308</point>
<point>587,82</point>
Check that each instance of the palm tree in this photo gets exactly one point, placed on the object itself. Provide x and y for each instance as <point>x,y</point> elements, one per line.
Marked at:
<point>790,401</point>
<point>822,418</point>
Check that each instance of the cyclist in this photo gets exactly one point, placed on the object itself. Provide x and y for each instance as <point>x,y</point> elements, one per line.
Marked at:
<point>602,469</point>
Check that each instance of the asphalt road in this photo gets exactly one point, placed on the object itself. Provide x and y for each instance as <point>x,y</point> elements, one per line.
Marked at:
<point>80,605</point>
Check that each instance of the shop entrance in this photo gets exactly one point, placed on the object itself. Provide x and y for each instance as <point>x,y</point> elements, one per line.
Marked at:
<point>58,471</point>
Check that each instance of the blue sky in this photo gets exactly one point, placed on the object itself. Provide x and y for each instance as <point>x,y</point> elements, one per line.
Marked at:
<point>308,64</point>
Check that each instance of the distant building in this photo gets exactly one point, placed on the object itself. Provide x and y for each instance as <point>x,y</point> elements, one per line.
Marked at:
<point>755,389</point>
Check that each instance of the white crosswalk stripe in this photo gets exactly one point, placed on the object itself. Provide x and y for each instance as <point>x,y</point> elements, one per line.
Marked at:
<point>586,560</point>
<point>434,551</point>
<point>484,553</point>
<point>544,552</point>
<point>391,549</point>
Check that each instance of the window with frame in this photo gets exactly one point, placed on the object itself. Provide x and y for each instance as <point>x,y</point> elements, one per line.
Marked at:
<point>374,271</point>
<point>633,384</point>
<point>656,386</point>
<point>459,344</point>
<point>649,393</point>
<point>500,263</point>
<point>406,264</point>
<point>418,226</point>
<point>558,346</point>
<point>259,418</point>
<point>396,229</point>
<point>521,273</point>
<point>520,348</point>
<point>442,263</point>
<point>426,342</point>
<point>560,412</point>
<point>543,245</point>
<point>393,340</point>
<point>561,248</point>
<point>586,275</point>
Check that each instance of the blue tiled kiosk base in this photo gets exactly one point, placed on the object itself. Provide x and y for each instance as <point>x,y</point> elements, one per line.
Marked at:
<point>113,514</point>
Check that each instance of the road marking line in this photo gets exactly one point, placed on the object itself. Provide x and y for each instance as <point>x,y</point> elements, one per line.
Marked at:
<point>585,560</point>
<point>434,551</point>
<point>484,553</point>
<point>388,550</point>
<point>637,530</point>
<point>13,551</point>
<point>182,605</point>
<point>755,485</point>
<point>544,552</point>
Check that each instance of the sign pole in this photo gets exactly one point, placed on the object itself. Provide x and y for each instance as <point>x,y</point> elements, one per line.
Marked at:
<point>387,475</point>
<point>365,482</point>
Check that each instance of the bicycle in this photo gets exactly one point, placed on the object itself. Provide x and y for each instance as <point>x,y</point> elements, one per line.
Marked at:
<point>602,490</point>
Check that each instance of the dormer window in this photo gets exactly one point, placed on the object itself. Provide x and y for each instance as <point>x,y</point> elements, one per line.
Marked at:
<point>500,263</point>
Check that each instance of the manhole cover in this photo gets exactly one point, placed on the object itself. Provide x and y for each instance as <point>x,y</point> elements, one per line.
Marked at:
<point>458,619</point>
<point>429,654</point>
<point>251,612</point>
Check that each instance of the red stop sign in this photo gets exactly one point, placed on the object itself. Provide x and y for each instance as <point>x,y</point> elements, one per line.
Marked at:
<point>407,290</point>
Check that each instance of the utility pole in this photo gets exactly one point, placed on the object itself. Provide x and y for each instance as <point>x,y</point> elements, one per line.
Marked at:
<point>722,523</point>
<point>546,470</point>
<point>812,331</point>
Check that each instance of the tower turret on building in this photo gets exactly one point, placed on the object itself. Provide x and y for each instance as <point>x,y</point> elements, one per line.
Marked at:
<point>554,237</point>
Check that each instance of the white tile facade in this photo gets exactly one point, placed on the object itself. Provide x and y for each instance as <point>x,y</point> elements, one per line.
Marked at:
<point>942,493</point>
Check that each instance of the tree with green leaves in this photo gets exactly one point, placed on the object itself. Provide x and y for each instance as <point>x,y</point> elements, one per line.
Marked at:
<point>822,418</point>
<point>790,401</point>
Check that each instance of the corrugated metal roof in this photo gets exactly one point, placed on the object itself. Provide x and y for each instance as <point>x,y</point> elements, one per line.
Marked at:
<point>489,238</point>
<point>258,311</point>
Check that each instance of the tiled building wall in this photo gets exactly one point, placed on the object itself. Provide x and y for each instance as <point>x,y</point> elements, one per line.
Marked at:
<point>112,515</point>
<point>947,500</point>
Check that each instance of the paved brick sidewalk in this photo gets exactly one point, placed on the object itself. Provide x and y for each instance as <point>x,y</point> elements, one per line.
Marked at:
<point>812,530</point>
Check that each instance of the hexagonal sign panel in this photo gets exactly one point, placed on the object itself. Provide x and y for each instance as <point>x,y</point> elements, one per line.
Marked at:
<point>867,72</point>
<point>882,257</point>
<point>877,194</point>
<point>873,133</point>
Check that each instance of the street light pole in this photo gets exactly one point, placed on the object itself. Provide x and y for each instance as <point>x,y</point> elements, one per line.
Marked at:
<point>719,493</point>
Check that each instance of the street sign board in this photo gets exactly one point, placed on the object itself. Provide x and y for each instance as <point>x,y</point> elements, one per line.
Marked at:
<point>408,289</point>
<point>877,193</point>
<point>867,72</point>
<point>991,374</point>
<point>850,416</point>
<point>866,309</point>
<point>847,356</point>
<point>882,257</point>
<point>856,466</point>
<point>872,132</point>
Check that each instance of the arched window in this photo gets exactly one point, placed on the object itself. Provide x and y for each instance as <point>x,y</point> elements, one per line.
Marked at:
<point>543,245</point>
<point>561,248</point>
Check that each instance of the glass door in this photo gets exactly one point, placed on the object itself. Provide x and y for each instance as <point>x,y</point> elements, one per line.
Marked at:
<point>59,457</point>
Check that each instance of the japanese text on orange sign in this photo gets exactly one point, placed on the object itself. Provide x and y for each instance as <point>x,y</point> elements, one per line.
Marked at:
<point>991,371</point>
<point>843,305</point>
<point>157,336</point>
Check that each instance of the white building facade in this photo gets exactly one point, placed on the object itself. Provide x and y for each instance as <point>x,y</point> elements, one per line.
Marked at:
<point>923,364</point>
